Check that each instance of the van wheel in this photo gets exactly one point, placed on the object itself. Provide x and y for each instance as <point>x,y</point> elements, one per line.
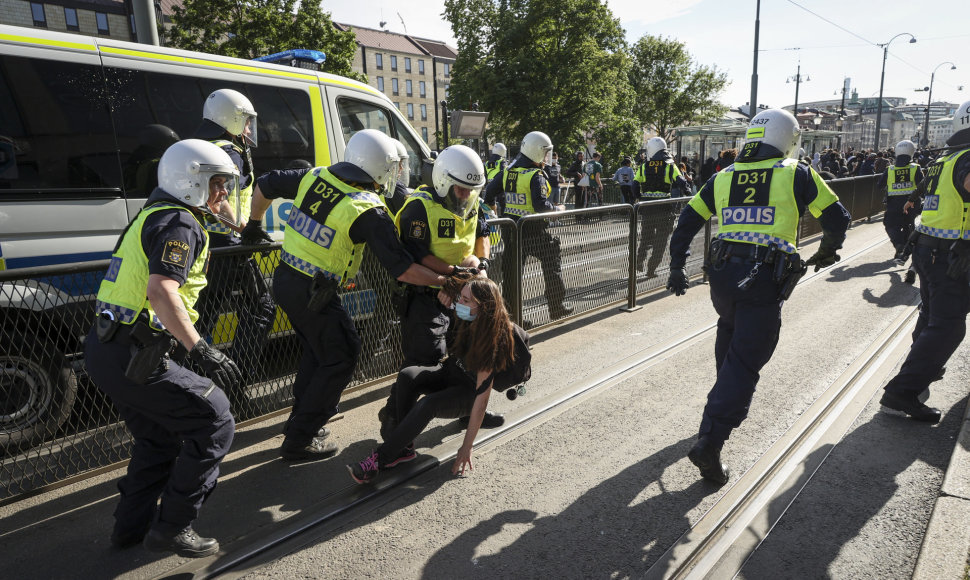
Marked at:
<point>37,391</point>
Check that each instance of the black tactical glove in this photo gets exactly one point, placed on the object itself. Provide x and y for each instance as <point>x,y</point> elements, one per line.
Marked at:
<point>677,282</point>
<point>458,270</point>
<point>254,234</point>
<point>217,366</point>
<point>959,259</point>
<point>483,264</point>
<point>825,255</point>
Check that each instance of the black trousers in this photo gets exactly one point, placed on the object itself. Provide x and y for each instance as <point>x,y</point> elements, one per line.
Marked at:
<point>449,393</point>
<point>941,325</point>
<point>748,326</point>
<point>656,225</point>
<point>331,348</point>
<point>424,327</point>
<point>181,427</point>
<point>898,224</point>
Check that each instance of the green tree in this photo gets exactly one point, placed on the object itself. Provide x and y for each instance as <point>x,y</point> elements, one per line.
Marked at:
<point>555,66</point>
<point>671,90</point>
<point>247,29</point>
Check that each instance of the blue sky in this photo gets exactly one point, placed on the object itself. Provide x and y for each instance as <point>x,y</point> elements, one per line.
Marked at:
<point>839,40</point>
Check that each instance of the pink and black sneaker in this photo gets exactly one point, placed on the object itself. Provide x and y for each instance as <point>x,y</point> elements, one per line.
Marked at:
<point>407,454</point>
<point>366,470</point>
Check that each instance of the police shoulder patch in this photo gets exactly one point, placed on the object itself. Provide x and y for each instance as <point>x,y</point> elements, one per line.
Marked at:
<point>176,252</point>
<point>418,229</point>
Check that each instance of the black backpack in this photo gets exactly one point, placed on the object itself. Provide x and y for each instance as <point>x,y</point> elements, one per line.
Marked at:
<point>519,371</point>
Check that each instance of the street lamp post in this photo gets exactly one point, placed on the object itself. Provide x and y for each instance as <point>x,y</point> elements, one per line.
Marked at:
<point>798,81</point>
<point>929,101</point>
<point>882,81</point>
<point>816,120</point>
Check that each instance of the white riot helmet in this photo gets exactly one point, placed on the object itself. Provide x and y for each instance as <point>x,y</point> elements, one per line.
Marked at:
<point>457,165</point>
<point>403,164</point>
<point>186,167</point>
<point>537,146</point>
<point>232,111</point>
<point>375,154</point>
<point>655,145</point>
<point>961,121</point>
<point>775,127</point>
<point>905,147</point>
<point>499,149</point>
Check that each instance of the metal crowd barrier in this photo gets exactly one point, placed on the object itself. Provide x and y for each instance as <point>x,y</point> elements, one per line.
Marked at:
<point>57,427</point>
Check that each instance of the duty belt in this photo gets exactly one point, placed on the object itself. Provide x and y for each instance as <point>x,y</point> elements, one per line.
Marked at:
<point>934,243</point>
<point>304,266</point>
<point>759,239</point>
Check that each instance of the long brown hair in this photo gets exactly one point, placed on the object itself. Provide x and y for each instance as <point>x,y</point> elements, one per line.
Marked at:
<point>485,343</point>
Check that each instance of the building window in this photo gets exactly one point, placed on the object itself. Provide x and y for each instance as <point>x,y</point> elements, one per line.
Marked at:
<point>102,20</point>
<point>422,89</point>
<point>447,69</point>
<point>447,88</point>
<point>37,11</point>
<point>407,64</point>
<point>380,84</point>
<point>70,18</point>
<point>393,62</point>
<point>408,87</point>
<point>397,106</point>
<point>379,59</point>
<point>395,90</point>
<point>410,110</point>
<point>424,112</point>
<point>420,66</point>
<point>424,134</point>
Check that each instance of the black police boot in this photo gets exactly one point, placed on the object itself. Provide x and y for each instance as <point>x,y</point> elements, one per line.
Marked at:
<point>490,421</point>
<point>706,455</point>
<point>910,277</point>
<point>184,543</point>
<point>910,404</point>
<point>316,449</point>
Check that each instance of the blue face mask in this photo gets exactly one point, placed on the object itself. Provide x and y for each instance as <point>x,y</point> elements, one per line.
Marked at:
<point>464,312</point>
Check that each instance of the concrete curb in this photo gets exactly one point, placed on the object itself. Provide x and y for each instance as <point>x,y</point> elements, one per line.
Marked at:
<point>946,544</point>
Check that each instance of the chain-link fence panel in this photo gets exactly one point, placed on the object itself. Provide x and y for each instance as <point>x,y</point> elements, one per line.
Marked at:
<point>655,221</point>
<point>859,195</point>
<point>505,267</point>
<point>573,262</point>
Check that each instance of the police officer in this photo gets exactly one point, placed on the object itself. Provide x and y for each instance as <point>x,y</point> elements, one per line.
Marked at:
<point>445,230</point>
<point>401,192</point>
<point>942,258</point>
<point>236,282</point>
<point>336,211</point>
<point>900,181</point>
<point>180,421</point>
<point>520,190</point>
<point>658,177</point>
<point>496,161</point>
<point>754,265</point>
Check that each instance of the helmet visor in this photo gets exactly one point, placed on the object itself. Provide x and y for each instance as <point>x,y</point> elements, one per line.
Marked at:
<point>462,200</point>
<point>222,186</point>
<point>249,131</point>
<point>404,171</point>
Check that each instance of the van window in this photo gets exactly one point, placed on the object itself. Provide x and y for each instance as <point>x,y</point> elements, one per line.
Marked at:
<point>143,101</point>
<point>55,129</point>
<point>358,115</point>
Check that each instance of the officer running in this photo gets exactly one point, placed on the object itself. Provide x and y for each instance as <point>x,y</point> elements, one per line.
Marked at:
<point>336,211</point>
<point>236,282</point>
<point>941,257</point>
<point>520,190</point>
<point>900,181</point>
<point>754,265</point>
<point>180,421</point>
<point>658,177</point>
<point>444,229</point>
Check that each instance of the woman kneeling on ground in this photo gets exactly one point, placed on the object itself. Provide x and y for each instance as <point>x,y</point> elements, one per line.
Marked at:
<point>459,386</point>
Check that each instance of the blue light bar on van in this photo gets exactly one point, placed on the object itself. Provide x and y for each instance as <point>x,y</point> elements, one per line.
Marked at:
<point>298,54</point>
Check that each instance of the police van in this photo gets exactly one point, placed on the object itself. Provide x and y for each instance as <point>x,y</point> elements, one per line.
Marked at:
<point>82,124</point>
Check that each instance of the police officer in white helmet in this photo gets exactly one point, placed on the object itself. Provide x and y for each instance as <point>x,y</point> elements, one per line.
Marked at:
<point>496,161</point>
<point>180,421</point>
<point>899,181</point>
<point>336,212</point>
<point>522,189</point>
<point>754,264</point>
<point>941,257</point>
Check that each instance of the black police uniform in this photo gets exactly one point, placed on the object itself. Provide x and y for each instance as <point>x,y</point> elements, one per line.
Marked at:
<point>899,225</point>
<point>328,338</point>
<point>180,421</point>
<point>749,319</point>
<point>536,240</point>
<point>236,283</point>
<point>425,321</point>
<point>945,291</point>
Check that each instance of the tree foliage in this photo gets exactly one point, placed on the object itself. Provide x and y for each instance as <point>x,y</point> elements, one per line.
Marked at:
<point>556,66</point>
<point>671,90</point>
<point>251,28</point>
